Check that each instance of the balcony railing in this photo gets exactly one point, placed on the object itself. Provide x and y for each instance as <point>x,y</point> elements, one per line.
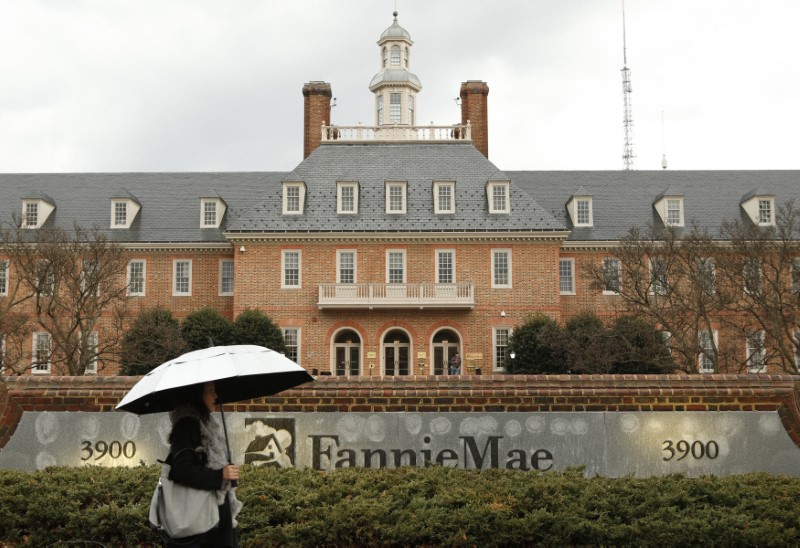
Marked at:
<point>369,295</point>
<point>429,133</point>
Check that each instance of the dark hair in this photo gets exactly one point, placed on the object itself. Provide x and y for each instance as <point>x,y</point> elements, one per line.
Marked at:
<point>192,396</point>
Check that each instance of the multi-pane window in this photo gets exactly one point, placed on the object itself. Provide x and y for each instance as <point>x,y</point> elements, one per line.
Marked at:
<point>395,58</point>
<point>566,276</point>
<point>395,198</point>
<point>501,268</point>
<point>411,110</point>
<point>136,277</point>
<point>120,213</point>
<point>380,109</point>
<point>501,336</point>
<point>443,197</point>
<point>347,197</point>
<point>659,269</point>
<point>751,276</point>
<point>756,353</point>
<point>89,277</point>
<point>3,277</point>
<point>394,108</point>
<point>396,267</point>
<point>706,276</point>
<point>583,209</point>
<point>91,352</point>
<point>182,277</point>
<point>31,214</point>
<point>291,343</point>
<point>765,212</point>
<point>707,341</point>
<point>795,274</point>
<point>612,274</point>
<point>41,352</point>
<point>46,278</point>
<point>347,267</point>
<point>445,267</point>
<point>673,212</point>
<point>209,213</point>
<point>293,194</point>
<point>226,277</point>
<point>498,198</point>
<point>291,269</point>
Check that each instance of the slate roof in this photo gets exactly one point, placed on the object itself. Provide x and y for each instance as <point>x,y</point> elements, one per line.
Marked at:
<point>419,165</point>
<point>623,199</point>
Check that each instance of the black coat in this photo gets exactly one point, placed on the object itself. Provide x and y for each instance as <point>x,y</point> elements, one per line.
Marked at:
<point>189,468</point>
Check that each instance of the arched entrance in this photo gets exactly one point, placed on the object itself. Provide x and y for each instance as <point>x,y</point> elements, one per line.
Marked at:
<point>396,353</point>
<point>446,343</point>
<point>347,353</point>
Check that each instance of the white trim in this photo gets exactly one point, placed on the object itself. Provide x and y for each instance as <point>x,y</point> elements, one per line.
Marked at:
<point>755,355</point>
<point>490,187</point>
<point>339,253</point>
<point>301,197</point>
<point>340,186</point>
<point>751,206</point>
<point>4,277</point>
<point>701,356</point>
<point>131,210</point>
<point>222,263</point>
<point>619,274</point>
<point>43,211</point>
<point>571,261</point>
<point>662,207</point>
<point>143,292</point>
<point>574,212</point>
<point>402,252</point>
<point>659,286</point>
<point>299,331</point>
<point>299,284</point>
<point>43,369</point>
<point>495,329</point>
<point>404,197</point>
<point>91,368</point>
<point>175,292</point>
<point>437,208</point>
<point>510,282</point>
<point>452,253</point>
<point>219,212</point>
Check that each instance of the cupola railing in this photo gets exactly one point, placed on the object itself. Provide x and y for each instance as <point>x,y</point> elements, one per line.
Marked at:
<point>431,133</point>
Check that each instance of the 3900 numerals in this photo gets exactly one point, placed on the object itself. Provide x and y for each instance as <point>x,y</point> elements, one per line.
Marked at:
<point>684,449</point>
<point>112,450</point>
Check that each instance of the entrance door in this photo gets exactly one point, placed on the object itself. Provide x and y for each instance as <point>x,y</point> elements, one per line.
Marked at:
<point>347,350</point>
<point>445,346</point>
<point>396,350</point>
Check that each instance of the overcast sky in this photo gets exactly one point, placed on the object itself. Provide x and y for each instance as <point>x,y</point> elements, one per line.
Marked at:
<point>216,85</point>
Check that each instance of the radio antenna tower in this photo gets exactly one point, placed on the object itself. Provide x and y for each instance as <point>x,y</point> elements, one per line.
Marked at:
<point>627,117</point>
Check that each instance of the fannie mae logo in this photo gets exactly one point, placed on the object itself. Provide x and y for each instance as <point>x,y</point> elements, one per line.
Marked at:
<point>272,442</point>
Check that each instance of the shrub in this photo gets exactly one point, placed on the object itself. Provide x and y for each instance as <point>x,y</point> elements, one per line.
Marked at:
<point>153,338</point>
<point>639,347</point>
<point>255,327</point>
<point>538,347</point>
<point>206,327</point>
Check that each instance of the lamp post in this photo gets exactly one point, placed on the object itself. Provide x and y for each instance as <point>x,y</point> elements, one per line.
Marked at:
<point>512,356</point>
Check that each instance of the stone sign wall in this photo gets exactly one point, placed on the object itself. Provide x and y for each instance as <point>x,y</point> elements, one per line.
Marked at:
<point>611,425</point>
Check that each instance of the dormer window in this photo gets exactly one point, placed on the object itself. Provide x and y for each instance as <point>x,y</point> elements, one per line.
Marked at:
<point>123,212</point>
<point>760,207</point>
<point>497,193</point>
<point>396,197</point>
<point>347,198</point>
<point>670,209</point>
<point>294,197</point>
<point>444,197</point>
<point>35,212</point>
<point>211,212</point>
<point>579,208</point>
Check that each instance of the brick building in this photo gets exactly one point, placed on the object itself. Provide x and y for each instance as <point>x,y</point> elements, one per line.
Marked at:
<point>389,248</point>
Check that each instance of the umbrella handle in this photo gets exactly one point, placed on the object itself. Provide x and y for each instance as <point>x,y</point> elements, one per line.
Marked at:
<point>234,483</point>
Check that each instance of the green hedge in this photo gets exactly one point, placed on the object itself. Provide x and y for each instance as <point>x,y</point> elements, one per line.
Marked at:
<point>411,506</point>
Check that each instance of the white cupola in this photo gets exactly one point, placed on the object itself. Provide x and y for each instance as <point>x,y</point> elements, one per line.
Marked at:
<point>395,87</point>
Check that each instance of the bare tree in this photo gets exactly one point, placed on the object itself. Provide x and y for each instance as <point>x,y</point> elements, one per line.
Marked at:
<point>71,286</point>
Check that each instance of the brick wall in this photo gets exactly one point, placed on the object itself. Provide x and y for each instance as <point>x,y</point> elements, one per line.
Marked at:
<point>475,109</point>
<point>316,111</point>
<point>489,393</point>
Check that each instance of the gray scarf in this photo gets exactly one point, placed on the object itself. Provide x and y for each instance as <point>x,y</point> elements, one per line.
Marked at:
<point>214,445</point>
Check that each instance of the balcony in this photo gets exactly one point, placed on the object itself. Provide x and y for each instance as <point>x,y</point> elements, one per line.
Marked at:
<point>435,134</point>
<point>460,295</point>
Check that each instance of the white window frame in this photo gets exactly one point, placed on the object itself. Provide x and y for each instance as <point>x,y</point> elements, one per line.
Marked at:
<point>580,211</point>
<point>755,268</point>
<point>770,210</point>
<point>41,369</point>
<point>507,331</point>
<point>219,212</point>
<point>175,289</point>
<point>659,281</point>
<point>4,277</point>
<point>495,283</point>
<point>756,354</point>
<point>606,262</point>
<point>30,214</point>
<point>43,211</point>
<point>340,188</point>
<point>339,254</point>
<point>129,278</point>
<point>404,265</point>
<point>223,278</point>
<point>301,198</point>
<point>395,108</point>
<point>403,186</point>
<point>438,256</point>
<point>673,205</point>
<point>561,276</point>
<point>701,358</point>
<point>298,332</point>
<point>438,186</point>
<point>131,210</point>
<point>284,254</point>
<point>491,187</point>
<point>120,213</point>
<point>91,367</point>
<point>707,267</point>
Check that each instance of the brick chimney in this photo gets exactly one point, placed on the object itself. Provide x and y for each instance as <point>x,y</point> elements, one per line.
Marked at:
<point>474,108</point>
<point>316,111</point>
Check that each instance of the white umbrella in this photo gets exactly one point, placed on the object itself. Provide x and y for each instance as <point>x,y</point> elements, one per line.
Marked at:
<point>240,372</point>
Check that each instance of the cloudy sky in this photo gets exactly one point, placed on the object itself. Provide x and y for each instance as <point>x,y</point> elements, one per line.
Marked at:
<point>215,85</point>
